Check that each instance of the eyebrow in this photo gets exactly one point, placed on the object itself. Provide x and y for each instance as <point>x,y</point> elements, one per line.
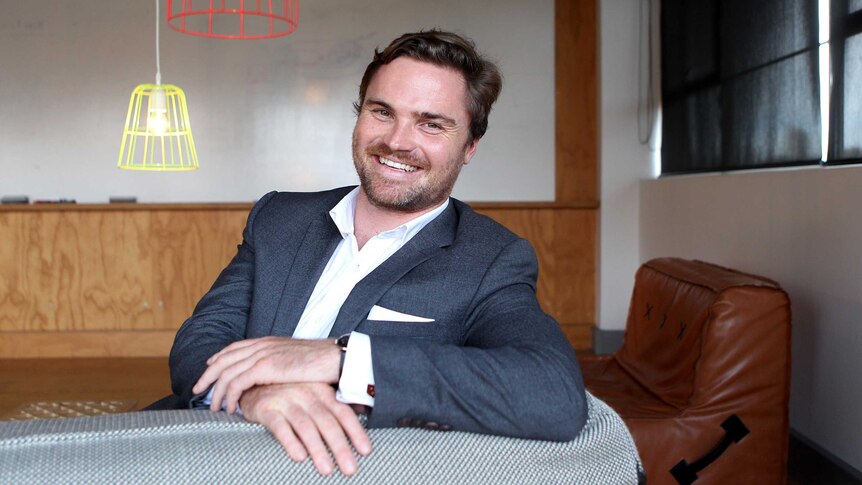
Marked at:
<point>425,115</point>
<point>437,116</point>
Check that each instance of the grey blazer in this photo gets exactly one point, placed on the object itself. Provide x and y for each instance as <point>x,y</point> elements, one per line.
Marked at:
<point>491,361</point>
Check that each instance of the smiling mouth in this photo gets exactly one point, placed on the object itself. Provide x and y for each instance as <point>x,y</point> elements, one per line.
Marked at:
<point>397,165</point>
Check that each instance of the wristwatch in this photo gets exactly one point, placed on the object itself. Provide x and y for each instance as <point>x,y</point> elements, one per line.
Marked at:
<point>361,411</point>
<point>342,343</point>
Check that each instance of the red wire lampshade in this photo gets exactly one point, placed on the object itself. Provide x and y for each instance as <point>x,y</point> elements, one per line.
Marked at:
<point>235,19</point>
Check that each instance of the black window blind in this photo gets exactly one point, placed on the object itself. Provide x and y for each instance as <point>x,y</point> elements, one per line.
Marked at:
<point>740,84</point>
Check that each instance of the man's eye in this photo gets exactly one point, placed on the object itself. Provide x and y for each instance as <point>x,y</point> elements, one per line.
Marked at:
<point>382,112</point>
<point>432,126</point>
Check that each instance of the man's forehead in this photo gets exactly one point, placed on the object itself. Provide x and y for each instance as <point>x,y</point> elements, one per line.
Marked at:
<point>427,87</point>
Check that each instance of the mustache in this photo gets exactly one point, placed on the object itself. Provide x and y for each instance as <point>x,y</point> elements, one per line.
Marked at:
<point>383,150</point>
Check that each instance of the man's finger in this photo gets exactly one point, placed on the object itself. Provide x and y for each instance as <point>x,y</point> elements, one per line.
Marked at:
<point>307,432</point>
<point>239,344</point>
<point>224,384</point>
<point>223,360</point>
<point>333,435</point>
<point>313,419</point>
<point>248,377</point>
<point>280,428</point>
<point>353,429</point>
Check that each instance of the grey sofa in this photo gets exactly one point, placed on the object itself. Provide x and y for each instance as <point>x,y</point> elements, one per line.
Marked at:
<point>203,447</point>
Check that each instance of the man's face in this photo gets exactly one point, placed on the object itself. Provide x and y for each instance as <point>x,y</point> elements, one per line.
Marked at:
<point>410,139</point>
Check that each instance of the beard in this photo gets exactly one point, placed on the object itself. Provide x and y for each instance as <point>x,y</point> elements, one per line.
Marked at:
<point>426,192</point>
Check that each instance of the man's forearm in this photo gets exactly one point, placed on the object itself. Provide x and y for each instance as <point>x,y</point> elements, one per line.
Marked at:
<point>528,392</point>
<point>268,360</point>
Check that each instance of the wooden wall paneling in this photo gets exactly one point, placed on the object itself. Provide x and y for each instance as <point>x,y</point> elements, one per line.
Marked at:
<point>535,226</point>
<point>576,127</point>
<point>13,297</point>
<point>101,270</point>
<point>194,247</point>
<point>108,343</point>
<point>575,271</point>
<point>565,245</point>
<point>575,274</point>
<point>577,94</point>
<point>120,256</point>
<point>66,270</point>
<point>111,283</point>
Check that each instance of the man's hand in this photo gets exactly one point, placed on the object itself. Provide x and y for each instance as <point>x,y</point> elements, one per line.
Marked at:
<point>303,417</point>
<point>267,360</point>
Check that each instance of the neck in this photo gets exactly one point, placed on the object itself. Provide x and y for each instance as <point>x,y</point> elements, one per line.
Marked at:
<point>370,220</point>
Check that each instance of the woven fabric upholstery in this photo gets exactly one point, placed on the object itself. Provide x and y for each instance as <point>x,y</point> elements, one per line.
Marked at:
<point>203,447</point>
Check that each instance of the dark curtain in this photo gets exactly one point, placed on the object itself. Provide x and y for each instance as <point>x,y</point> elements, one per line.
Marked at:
<point>845,140</point>
<point>740,84</point>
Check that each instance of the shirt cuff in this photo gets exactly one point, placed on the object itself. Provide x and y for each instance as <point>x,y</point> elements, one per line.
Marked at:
<point>357,377</point>
<point>208,399</point>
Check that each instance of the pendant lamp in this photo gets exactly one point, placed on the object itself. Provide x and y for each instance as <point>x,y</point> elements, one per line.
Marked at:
<point>234,19</point>
<point>157,134</point>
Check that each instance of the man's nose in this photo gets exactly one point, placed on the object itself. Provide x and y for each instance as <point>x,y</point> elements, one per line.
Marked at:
<point>400,137</point>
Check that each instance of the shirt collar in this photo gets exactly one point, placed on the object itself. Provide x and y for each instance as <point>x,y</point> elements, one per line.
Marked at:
<point>343,213</point>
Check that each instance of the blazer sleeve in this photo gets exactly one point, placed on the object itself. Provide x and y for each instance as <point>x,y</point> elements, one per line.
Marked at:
<point>221,316</point>
<point>515,375</point>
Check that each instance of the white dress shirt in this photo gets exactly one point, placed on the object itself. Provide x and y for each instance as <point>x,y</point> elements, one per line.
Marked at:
<point>347,266</point>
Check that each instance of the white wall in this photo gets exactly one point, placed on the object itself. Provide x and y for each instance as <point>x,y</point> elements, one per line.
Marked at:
<point>624,160</point>
<point>266,114</point>
<point>804,229</point>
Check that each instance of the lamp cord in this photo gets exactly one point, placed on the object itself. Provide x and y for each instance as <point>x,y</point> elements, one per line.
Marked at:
<point>158,63</point>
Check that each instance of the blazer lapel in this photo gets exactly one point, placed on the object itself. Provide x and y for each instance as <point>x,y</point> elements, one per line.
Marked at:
<point>431,240</point>
<point>320,241</point>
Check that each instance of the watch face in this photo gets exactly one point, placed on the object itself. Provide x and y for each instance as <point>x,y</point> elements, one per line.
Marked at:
<point>342,341</point>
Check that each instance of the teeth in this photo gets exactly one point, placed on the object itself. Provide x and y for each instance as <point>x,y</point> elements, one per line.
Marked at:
<point>399,166</point>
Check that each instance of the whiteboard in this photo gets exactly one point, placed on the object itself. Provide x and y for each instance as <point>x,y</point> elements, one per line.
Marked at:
<point>266,115</point>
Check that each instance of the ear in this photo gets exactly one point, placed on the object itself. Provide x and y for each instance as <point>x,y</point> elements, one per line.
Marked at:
<point>470,150</point>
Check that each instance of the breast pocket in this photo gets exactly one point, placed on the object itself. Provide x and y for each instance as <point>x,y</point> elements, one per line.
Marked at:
<point>389,328</point>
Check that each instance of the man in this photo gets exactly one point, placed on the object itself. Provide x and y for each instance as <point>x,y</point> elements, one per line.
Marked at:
<point>436,304</point>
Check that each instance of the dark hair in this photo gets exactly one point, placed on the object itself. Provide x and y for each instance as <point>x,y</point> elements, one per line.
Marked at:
<point>450,50</point>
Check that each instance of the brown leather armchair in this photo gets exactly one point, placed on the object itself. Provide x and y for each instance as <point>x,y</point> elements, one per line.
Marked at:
<point>703,376</point>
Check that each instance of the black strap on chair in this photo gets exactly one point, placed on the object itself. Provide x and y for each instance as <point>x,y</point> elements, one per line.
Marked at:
<point>734,430</point>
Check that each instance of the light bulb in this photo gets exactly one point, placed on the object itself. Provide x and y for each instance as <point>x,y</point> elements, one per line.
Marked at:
<point>157,113</point>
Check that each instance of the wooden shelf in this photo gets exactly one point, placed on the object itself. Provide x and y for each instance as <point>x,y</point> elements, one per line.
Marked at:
<point>246,206</point>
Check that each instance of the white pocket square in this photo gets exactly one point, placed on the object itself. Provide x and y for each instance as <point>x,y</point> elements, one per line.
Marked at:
<point>380,313</point>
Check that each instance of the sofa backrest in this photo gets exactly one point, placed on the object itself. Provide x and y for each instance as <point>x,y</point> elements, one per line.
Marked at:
<point>196,446</point>
<point>682,311</point>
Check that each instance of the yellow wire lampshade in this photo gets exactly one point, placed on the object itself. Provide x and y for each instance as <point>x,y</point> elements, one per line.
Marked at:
<point>157,134</point>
